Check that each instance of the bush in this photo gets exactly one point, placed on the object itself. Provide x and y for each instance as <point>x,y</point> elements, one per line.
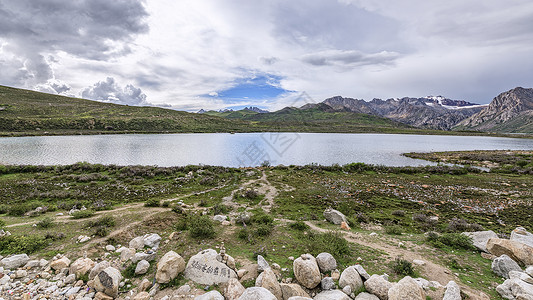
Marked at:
<point>18,210</point>
<point>201,227</point>
<point>330,242</point>
<point>457,240</point>
<point>362,218</point>
<point>243,234</point>
<point>262,218</point>
<point>403,267</point>
<point>250,194</point>
<point>420,218</point>
<point>263,229</point>
<point>2,224</point>
<point>220,209</point>
<point>45,223</point>
<point>398,213</point>
<point>299,225</point>
<point>15,244</point>
<point>395,230</point>
<point>178,209</point>
<point>4,209</point>
<point>152,203</point>
<point>458,225</point>
<point>81,214</point>
<point>101,231</point>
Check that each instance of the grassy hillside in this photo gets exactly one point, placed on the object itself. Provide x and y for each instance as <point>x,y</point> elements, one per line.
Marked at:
<point>29,111</point>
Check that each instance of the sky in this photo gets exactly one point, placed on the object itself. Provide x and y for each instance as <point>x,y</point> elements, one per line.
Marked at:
<point>215,54</point>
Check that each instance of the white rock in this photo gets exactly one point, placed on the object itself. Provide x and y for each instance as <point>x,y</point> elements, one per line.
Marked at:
<point>142,267</point>
<point>306,271</point>
<point>326,262</point>
<point>219,218</point>
<point>15,261</point>
<point>520,234</point>
<point>107,281</point>
<point>152,240</point>
<point>502,265</point>
<point>136,243</point>
<point>234,289</point>
<point>262,264</point>
<point>419,262</point>
<point>351,277</point>
<point>378,286</point>
<point>212,295</point>
<point>331,295</point>
<point>257,293</point>
<point>170,265</point>
<point>366,296</point>
<point>406,288</point>
<point>110,248</point>
<point>453,291</point>
<point>480,238</point>
<point>335,216</point>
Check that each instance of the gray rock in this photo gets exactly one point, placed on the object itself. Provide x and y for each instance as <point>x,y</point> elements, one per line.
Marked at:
<point>326,262</point>
<point>306,271</point>
<point>289,290</point>
<point>351,277</point>
<point>233,290</point>
<point>515,288</point>
<point>72,291</point>
<point>152,240</point>
<point>107,281</point>
<point>299,298</point>
<point>169,266</point>
<point>480,238</point>
<point>257,293</point>
<point>526,278</point>
<point>204,268</point>
<point>219,218</point>
<point>110,248</point>
<point>262,264</point>
<point>137,243</point>
<point>31,264</point>
<point>405,289</point>
<point>327,283</point>
<point>183,290</point>
<point>212,295</point>
<point>99,267</point>
<point>453,291</point>
<point>142,267</point>
<point>378,286</point>
<point>148,256</point>
<point>81,266</point>
<point>15,261</point>
<point>331,295</point>
<point>520,234</point>
<point>127,254</point>
<point>70,279</point>
<point>335,216</point>
<point>362,272</point>
<point>268,280</point>
<point>366,296</point>
<point>502,265</point>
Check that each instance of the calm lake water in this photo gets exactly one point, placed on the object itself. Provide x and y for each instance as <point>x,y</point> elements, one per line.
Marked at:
<point>242,149</point>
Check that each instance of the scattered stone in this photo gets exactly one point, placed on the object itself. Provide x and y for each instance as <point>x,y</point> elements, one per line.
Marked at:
<point>331,295</point>
<point>335,274</point>
<point>362,272</point>
<point>378,286</point>
<point>204,268</point>
<point>219,218</point>
<point>351,277</point>
<point>137,243</point>
<point>257,293</point>
<point>502,265</point>
<point>99,267</point>
<point>15,261</point>
<point>83,239</point>
<point>241,272</point>
<point>306,271</point>
<point>366,296</point>
<point>515,289</point>
<point>126,254</point>
<point>70,279</point>
<point>142,267</point>
<point>453,291</point>
<point>110,248</point>
<point>212,295</point>
<point>326,262</point>
<point>488,256</point>
<point>81,266</point>
<point>32,264</point>
<point>520,234</point>
<point>148,256</point>
<point>518,251</point>
<point>335,216</point>
<point>169,266</point>
<point>418,262</point>
<point>262,264</point>
<point>61,263</point>
<point>289,290</point>
<point>145,285</point>
<point>142,296</point>
<point>233,290</point>
<point>406,289</point>
<point>152,240</point>
<point>480,238</point>
<point>268,280</point>
<point>107,281</point>
<point>327,283</point>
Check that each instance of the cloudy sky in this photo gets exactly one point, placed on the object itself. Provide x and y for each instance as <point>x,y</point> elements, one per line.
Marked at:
<point>232,53</point>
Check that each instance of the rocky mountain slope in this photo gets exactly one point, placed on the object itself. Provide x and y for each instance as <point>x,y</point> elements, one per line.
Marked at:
<point>511,111</point>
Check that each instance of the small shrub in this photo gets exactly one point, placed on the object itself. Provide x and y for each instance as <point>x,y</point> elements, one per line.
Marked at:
<point>457,240</point>
<point>129,272</point>
<point>178,209</point>
<point>262,218</point>
<point>165,204</point>
<point>299,225</point>
<point>395,230</point>
<point>18,210</point>
<point>261,251</point>
<point>82,214</point>
<point>4,209</point>
<point>403,267</point>
<point>54,236</point>
<point>220,209</point>
<point>201,227</point>
<point>263,229</point>
<point>362,218</point>
<point>152,203</point>
<point>183,223</point>
<point>2,224</point>
<point>45,223</point>
<point>15,244</point>
<point>398,213</point>
<point>420,218</point>
<point>101,231</point>
<point>458,225</point>
<point>250,194</point>
<point>331,242</point>
<point>106,221</point>
<point>243,234</point>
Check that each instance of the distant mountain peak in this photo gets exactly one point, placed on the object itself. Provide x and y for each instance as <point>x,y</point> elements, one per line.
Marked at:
<point>256,109</point>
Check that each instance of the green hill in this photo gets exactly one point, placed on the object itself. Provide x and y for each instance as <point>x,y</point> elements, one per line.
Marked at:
<point>29,112</point>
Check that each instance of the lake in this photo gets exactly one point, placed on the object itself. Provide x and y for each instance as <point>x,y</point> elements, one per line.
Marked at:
<point>242,149</point>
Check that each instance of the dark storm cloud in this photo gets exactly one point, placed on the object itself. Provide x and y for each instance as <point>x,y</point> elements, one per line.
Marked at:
<point>110,91</point>
<point>90,29</point>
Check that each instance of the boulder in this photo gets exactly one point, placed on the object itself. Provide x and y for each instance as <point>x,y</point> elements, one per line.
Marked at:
<point>529,271</point>
<point>327,284</point>
<point>502,265</point>
<point>110,248</point>
<point>60,264</point>
<point>351,277</point>
<point>306,271</point>
<point>515,288</point>
<point>81,266</point>
<point>268,280</point>
<point>152,240</point>
<point>378,286</point>
<point>519,252</point>
<point>326,262</point>
<point>15,261</point>
<point>137,243</point>
<point>233,290</point>
<point>145,285</point>
<point>453,291</point>
<point>169,266</point>
<point>204,268</point>
<point>262,264</point>
<point>299,298</point>
<point>98,268</point>
<point>212,295</point>
<point>480,238</point>
<point>366,296</point>
<point>107,281</point>
<point>142,296</point>
<point>335,216</point>
<point>289,290</point>
<point>219,218</point>
<point>406,289</point>
<point>332,295</point>
<point>127,254</point>
<point>520,234</point>
<point>143,266</point>
<point>257,293</point>
<point>148,256</point>
<point>362,272</point>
